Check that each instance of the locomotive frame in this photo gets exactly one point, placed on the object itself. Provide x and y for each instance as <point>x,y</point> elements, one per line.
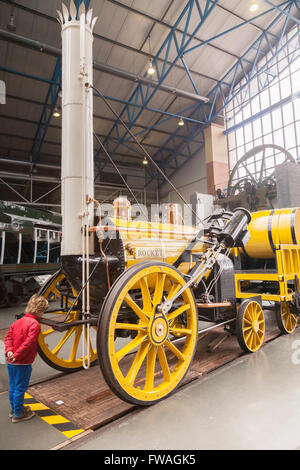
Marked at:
<point>158,345</point>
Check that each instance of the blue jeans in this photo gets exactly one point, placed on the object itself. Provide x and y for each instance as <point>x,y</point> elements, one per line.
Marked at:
<point>19,377</point>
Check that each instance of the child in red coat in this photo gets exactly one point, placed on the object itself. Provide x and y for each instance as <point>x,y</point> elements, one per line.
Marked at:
<point>21,349</point>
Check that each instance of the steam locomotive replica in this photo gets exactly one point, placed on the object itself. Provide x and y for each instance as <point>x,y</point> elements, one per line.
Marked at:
<point>150,285</point>
<point>130,294</point>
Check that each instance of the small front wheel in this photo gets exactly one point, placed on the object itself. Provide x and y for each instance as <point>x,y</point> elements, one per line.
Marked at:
<point>286,320</point>
<point>250,326</point>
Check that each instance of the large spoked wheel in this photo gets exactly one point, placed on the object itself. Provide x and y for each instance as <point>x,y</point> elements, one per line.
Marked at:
<point>138,356</point>
<point>250,326</point>
<point>63,350</point>
<point>286,321</point>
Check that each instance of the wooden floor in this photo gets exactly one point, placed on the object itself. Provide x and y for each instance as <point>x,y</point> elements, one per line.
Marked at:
<point>89,403</point>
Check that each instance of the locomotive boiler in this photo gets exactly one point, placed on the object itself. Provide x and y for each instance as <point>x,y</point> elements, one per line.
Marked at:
<point>130,294</point>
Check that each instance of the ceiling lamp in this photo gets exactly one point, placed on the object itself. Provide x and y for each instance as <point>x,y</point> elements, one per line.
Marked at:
<point>151,69</point>
<point>181,122</point>
<point>56,113</point>
<point>145,161</point>
<point>254,5</point>
<point>11,25</point>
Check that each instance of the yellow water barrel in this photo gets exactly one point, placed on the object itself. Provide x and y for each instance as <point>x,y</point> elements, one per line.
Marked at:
<point>272,227</point>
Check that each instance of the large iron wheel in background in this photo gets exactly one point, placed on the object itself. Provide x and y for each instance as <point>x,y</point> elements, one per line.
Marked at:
<point>63,350</point>
<point>146,364</point>
<point>263,176</point>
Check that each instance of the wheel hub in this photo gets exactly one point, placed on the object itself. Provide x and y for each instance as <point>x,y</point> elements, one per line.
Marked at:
<point>158,330</point>
<point>255,326</point>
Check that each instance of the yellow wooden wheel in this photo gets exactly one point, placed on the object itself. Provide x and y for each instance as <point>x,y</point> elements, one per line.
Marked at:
<point>250,325</point>
<point>287,321</point>
<point>138,359</point>
<point>63,350</point>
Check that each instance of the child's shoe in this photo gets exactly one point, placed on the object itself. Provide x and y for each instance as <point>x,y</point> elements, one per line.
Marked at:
<point>27,414</point>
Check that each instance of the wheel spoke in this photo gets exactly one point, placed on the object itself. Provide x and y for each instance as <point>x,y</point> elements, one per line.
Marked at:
<point>55,291</point>
<point>130,346</point>
<point>177,312</point>
<point>254,340</point>
<point>63,340</point>
<point>175,350</point>
<point>181,331</point>
<point>47,332</point>
<point>250,174</point>
<point>150,370</point>
<point>247,336</point>
<point>147,303</point>
<point>251,339</point>
<point>174,289</point>
<point>130,326</point>
<point>134,306</point>
<point>249,315</point>
<point>164,363</point>
<point>262,167</point>
<point>247,328</point>
<point>75,344</point>
<point>159,288</point>
<point>137,362</point>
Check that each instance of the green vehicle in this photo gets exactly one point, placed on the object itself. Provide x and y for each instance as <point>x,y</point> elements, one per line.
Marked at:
<point>29,250</point>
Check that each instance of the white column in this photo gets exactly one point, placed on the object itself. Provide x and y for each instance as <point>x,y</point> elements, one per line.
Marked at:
<point>77,166</point>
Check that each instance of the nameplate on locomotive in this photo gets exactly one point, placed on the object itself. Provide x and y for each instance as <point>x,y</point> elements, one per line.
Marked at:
<point>149,253</point>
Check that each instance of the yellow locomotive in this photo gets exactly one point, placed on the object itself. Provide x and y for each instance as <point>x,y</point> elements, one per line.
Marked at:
<point>151,283</point>
<point>130,294</point>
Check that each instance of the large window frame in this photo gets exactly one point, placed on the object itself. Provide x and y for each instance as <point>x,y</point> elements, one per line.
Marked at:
<point>267,114</point>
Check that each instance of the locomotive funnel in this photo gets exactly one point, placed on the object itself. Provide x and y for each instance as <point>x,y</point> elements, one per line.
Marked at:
<point>77,175</point>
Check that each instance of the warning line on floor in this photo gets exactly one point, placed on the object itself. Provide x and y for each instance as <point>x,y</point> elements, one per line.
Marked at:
<point>59,422</point>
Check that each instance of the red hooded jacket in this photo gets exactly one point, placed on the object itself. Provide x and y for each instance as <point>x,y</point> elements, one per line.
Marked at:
<point>22,339</point>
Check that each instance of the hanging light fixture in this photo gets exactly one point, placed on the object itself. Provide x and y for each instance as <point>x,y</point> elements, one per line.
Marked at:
<point>145,161</point>
<point>150,69</point>
<point>254,5</point>
<point>56,113</point>
<point>181,122</point>
<point>11,25</point>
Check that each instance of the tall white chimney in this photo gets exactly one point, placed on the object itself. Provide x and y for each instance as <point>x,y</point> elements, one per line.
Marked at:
<point>77,176</point>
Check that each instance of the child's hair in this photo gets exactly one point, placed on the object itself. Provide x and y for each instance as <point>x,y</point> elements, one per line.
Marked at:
<point>37,304</point>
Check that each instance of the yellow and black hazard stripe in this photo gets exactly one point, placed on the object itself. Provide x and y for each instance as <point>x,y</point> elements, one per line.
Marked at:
<point>59,422</point>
